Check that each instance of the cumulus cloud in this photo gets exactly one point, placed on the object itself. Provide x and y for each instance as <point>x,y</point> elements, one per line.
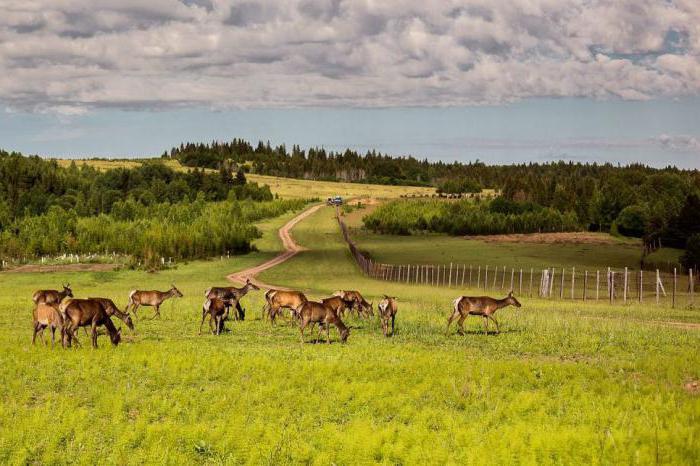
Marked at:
<point>70,55</point>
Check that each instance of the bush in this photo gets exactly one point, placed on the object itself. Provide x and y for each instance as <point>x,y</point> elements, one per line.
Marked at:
<point>633,220</point>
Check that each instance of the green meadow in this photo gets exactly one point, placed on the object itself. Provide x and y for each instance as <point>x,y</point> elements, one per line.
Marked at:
<point>564,383</point>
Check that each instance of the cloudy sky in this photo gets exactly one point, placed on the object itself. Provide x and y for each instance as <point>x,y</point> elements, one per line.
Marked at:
<point>494,79</point>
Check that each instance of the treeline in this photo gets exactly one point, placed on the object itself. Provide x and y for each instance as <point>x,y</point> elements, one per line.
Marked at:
<point>30,186</point>
<point>184,230</point>
<point>467,217</point>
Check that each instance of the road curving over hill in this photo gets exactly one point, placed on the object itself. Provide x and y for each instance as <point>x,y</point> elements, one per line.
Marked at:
<point>291,248</point>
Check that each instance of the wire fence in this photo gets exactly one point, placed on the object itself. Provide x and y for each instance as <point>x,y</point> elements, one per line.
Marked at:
<point>612,285</point>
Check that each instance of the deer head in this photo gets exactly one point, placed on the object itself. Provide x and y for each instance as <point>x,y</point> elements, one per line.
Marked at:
<point>344,334</point>
<point>116,337</point>
<point>67,290</point>
<point>251,285</point>
<point>175,291</point>
<point>510,299</point>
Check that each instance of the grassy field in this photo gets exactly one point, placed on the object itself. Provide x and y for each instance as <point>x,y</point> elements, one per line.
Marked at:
<point>443,249</point>
<point>283,187</point>
<point>563,383</point>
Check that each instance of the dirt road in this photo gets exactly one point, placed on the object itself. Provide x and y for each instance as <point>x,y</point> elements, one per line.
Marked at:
<point>291,248</point>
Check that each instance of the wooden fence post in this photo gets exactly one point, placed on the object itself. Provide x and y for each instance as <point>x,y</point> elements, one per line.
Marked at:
<point>573,278</point>
<point>512,277</point>
<point>551,281</point>
<point>464,274</point>
<point>495,275</point>
<point>486,278</point>
<point>478,279</point>
<point>608,282</point>
<point>612,287</point>
<point>561,285</point>
<point>692,286</point>
<point>597,284</point>
<point>449,284</point>
<point>641,285</point>
<point>520,287</point>
<point>503,278</point>
<point>532,271</point>
<point>585,284</point>
<point>658,280</point>
<point>673,299</point>
<point>470,276</point>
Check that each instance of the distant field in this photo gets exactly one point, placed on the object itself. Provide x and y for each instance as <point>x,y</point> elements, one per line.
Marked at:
<point>284,187</point>
<point>443,249</point>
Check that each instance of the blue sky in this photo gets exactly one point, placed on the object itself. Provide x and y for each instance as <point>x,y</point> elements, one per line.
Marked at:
<point>500,80</point>
<point>658,133</point>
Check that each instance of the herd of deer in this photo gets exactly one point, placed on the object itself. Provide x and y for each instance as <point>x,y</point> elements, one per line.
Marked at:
<point>59,310</point>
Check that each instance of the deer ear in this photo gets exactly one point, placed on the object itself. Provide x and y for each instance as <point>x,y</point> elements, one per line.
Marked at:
<point>510,294</point>
<point>119,331</point>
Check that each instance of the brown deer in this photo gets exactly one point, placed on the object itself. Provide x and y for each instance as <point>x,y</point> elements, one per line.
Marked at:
<point>336,303</point>
<point>47,315</point>
<point>311,312</point>
<point>356,300</point>
<point>281,299</point>
<point>232,293</point>
<point>387,310</point>
<point>151,298</point>
<point>86,312</point>
<point>52,296</point>
<point>484,306</point>
<point>111,309</point>
<point>218,310</point>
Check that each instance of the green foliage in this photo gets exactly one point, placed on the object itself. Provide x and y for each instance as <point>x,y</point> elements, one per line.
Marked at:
<point>691,258</point>
<point>633,220</point>
<point>459,186</point>
<point>188,230</point>
<point>465,217</point>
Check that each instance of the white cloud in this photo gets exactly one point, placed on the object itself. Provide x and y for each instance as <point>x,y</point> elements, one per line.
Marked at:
<point>68,55</point>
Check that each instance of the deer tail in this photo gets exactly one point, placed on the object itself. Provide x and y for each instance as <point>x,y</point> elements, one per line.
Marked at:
<point>131,297</point>
<point>206,292</point>
<point>456,302</point>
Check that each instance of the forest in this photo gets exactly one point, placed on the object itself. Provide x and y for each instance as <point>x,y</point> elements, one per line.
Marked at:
<point>147,212</point>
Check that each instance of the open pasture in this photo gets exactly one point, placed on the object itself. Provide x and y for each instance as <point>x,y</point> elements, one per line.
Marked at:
<point>284,187</point>
<point>562,383</point>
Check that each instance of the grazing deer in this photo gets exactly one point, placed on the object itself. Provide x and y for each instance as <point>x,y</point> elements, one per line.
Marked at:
<point>52,296</point>
<point>232,293</point>
<point>318,313</point>
<point>47,315</point>
<point>281,299</point>
<point>387,310</point>
<point>336,303</point>
<point>151,298</point>
<point>356,300</point>
<point>86,312</point>
<point>217,309</point>
<point>479,306</point>
<point>111,309</point>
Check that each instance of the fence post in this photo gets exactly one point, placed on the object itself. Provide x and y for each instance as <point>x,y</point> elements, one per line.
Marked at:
<point>585,284</point>
<point>478,279</point>
<point>692,286</point>
<point>673,299</point>
<point>641,285</point>
<point>470,276</point>
<point>552,274</point>
<point>624,291</point>
<point>561,285</point>
<point>495,275</point>
<point>520,287</point>
<point>658,279</point>
<point>512,278</point>
<point>597,284</point>
<point>503,278</point>
<point>464,273</point>
<point>608,282</point>
<point>573,279</point>
<point>486,278</point>
<point>450,280</point>
<point>612,287</point>
<point>532,271</point>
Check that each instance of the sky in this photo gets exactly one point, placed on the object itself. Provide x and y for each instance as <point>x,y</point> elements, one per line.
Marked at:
<point>495,80</point>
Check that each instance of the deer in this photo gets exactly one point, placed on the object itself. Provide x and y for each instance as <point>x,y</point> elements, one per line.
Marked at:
<point>312,312</point>
<point>86,312</point>
<point>151,298</point>
<point>52,296</point>
<point>282,299</point>
<point>217,309</point>
<point>355,299</point>
<point>387,310</point>
<point>111,309</point>
<point>483,306</point>
<point>47,315</point>
<point>231,293</point>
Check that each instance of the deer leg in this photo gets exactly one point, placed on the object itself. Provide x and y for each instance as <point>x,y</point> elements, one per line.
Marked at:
<point>94,334</point>
<point>135,306</point>
<point>204,316</point>
<point>241,312</point>
<point>486,325</point>
<point>328,333</point>
<point>212,318</point>
<point>449,321</point>
<point>393,318</point>
<point>53,335</point>
<point>498,330</point>
<point>157,313</point>
<point>460,323</point>
<point>301,328</point>
<point>34,333</point>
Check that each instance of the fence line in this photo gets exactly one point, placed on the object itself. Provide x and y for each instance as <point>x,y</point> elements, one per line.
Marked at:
<point>622,286</point>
